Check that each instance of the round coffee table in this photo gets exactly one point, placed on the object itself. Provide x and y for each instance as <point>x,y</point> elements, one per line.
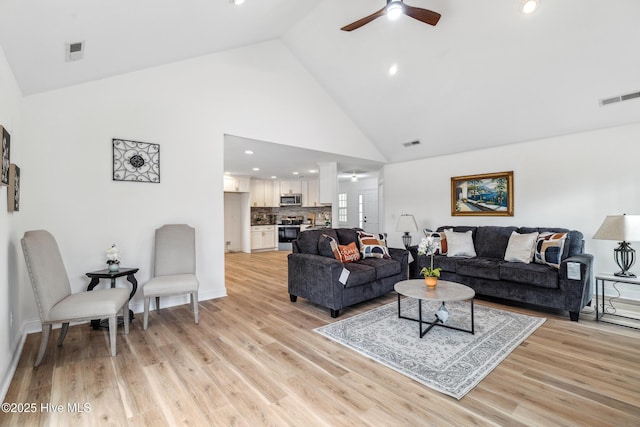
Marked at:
<point>445,291</point>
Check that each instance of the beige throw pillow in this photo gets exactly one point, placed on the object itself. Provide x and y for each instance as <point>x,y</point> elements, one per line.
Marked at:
<point>460,244</point>
<point>521,247</point>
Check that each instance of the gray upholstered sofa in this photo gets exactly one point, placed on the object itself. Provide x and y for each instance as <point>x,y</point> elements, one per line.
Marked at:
<point>489,274</point>
<point>314,273</point>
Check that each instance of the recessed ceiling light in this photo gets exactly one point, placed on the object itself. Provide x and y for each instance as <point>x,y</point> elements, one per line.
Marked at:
<point>295,173</point>
<point>248,152</point>
<point>313,171</point>
<point>238,2</point>
<point>529,6</point>
<point>273,177</point>
<point>256,169</point>
<point>393,70</point>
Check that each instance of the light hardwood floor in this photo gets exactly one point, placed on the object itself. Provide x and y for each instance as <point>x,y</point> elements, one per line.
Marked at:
<point>254,360</point>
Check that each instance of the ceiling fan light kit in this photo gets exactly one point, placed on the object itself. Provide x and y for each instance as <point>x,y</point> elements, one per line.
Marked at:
<point>394,9</point>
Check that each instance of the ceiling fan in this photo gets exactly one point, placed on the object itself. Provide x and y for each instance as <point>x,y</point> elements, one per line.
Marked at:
<point>394,9</point>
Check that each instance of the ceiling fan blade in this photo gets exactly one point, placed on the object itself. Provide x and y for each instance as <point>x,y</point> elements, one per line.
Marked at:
<point>360,22</point>
<point>424,15</point>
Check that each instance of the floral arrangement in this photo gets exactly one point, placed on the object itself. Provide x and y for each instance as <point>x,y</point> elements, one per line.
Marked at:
<point>427,247</point>
<point>113,255</point>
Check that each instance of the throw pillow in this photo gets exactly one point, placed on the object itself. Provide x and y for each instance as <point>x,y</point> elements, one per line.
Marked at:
<point>372,246</point>
<point>349,253</point>
<point>328,246</point>
<point>521,247</point>
<point>460,244</point>
<point>549,248</point>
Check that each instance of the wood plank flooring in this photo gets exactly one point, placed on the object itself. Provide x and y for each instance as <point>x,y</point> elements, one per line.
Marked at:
<point>254,361</point>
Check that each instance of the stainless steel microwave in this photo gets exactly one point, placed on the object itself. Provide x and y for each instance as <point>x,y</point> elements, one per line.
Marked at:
<point>291,199</point>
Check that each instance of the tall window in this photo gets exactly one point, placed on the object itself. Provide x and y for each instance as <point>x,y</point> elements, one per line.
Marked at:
<point>361,211</point>
<point>342,207</point>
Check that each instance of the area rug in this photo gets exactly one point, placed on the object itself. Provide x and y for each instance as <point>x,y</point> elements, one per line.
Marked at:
<point>449,361</point>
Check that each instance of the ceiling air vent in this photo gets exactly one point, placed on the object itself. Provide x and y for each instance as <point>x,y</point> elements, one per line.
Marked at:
<point>620,98</point>
<point>74,51</point>
<point>411,144</point>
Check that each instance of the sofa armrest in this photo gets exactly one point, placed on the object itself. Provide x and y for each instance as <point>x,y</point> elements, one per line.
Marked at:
<point>316,278</point>
<point>402,256</point>
<point>578,293</point>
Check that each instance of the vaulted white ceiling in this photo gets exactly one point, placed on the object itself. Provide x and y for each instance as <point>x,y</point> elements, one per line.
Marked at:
<point>486,75</point>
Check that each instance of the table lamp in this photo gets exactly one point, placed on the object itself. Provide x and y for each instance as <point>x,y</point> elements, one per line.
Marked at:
<point>406,224</point>
<point>623,228</point>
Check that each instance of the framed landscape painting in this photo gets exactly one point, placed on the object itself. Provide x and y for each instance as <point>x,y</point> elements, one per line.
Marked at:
<point>489,194</point>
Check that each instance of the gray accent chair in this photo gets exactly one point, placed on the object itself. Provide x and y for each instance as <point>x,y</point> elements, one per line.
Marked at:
<point>174,267</point>
<point>56,303</point>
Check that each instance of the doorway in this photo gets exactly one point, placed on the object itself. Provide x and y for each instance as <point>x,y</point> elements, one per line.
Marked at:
<point>368,211</point>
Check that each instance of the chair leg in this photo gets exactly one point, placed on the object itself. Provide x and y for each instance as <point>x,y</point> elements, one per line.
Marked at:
<point>125,316</point>
<point>194,301</point>
<point>113,327</point>
<point>157,303</point>
<point>63,333</point>
<point>145,322</point>
<point>44,341</point>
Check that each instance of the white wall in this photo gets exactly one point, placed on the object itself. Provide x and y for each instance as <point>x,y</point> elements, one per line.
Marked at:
<point>10,250</point>
<point>260,92</point>
<point>570,181</point>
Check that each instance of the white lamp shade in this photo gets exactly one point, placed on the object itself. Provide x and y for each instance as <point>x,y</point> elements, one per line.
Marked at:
<point>407,223</point>
<point>622,228</point>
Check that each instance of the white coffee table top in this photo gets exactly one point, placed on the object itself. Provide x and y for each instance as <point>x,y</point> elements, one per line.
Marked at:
<point>445,291</point>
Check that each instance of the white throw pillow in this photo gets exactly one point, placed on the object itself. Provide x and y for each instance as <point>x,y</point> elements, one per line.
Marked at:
<point>460,244</point>
<point>521,247</point>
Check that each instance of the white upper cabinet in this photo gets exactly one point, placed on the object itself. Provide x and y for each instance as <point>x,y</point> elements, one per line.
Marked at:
<point>237,184</point>
<point>311,193</point>
<point>263,195</point>
<point>289,187</point>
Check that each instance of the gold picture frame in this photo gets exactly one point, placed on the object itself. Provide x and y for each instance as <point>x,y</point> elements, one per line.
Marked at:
<point>489,194</point>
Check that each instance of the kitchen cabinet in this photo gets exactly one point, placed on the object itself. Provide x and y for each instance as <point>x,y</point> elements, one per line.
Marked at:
<point>311,193</point>
<point>262,195</point>
<point>263,237</point>
<point>237,184</point>
<point>288,187</point>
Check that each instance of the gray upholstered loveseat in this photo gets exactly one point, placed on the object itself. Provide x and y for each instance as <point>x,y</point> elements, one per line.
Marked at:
<point>315,274</point>
<point>489,274</point>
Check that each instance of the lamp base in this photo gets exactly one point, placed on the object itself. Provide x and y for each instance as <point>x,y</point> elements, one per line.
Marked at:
<point>625,257</point>
<point>624,274</point>
<point>406,239</point>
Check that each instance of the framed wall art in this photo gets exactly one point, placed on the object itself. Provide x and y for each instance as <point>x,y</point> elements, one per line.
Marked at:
<point>13,193</point>
<point>136,161</point>
<point>6,157</point>
<point>489,194</point>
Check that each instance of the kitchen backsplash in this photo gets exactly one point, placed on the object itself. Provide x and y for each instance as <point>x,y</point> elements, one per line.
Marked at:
<point>315,215</point>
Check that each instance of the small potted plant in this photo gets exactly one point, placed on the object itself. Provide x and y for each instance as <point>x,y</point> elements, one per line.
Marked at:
<point>113,260</point>
<point>427,247</point>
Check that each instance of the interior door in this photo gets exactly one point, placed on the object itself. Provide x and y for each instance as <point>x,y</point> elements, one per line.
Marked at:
<point>370,211</point>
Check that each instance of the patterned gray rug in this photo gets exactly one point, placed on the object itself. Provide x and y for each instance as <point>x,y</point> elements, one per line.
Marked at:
<point>449,361</point>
